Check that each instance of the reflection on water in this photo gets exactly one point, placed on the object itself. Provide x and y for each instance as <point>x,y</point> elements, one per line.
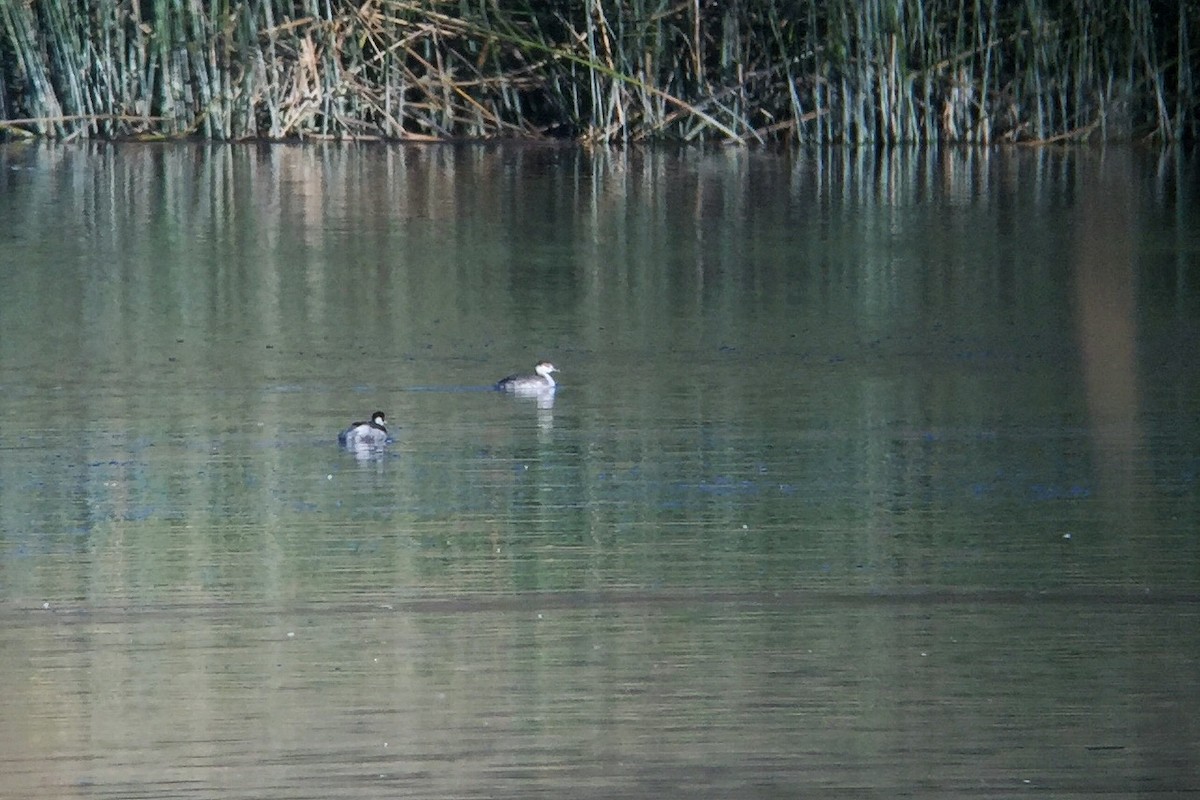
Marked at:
<point>612,694</point>
<point>866,472</point>
<point>543,400</point>
<point>1104,272</point>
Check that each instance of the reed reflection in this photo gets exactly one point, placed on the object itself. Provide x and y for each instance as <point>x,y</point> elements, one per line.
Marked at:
<point>213,306</point>
<point>1105,288</point>
<point>828,418</point>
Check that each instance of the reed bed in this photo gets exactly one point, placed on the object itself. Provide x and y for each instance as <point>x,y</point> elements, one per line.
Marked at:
<point>807,71</point>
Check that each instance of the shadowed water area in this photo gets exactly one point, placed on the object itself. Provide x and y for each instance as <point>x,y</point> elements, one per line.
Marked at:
<point>867,475</point>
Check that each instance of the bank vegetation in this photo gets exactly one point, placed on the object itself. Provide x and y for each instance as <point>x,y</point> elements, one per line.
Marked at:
<point>743,71</point>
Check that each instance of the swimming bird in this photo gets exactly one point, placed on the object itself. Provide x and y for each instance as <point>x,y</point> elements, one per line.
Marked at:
<point>365,434</point>
<point>530,383</point>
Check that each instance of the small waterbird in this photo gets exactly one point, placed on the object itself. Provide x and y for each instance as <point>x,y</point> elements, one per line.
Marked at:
<point>530,383</point>
<point>365,434</point>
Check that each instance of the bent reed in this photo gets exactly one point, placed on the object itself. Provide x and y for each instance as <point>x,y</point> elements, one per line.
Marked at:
<point>807,71</point>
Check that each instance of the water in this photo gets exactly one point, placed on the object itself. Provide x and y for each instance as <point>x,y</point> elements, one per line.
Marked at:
<point>868,476</point>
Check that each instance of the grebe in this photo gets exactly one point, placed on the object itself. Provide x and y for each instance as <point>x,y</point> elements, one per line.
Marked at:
<point>365,434</point>
<point>530,383</point>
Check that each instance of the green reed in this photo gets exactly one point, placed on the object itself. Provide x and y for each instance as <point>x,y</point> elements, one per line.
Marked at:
<point>810,71</point>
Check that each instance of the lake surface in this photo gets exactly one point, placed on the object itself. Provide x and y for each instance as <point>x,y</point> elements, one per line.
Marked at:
<point>868,475</point>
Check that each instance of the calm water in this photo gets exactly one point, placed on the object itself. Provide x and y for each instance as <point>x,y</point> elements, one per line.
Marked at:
<point>868,476</point>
